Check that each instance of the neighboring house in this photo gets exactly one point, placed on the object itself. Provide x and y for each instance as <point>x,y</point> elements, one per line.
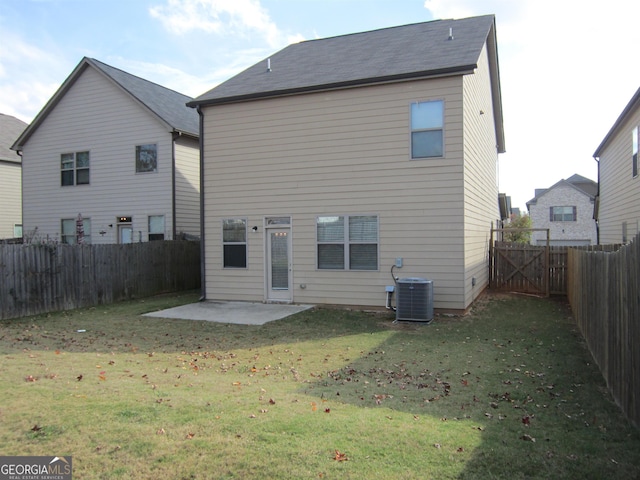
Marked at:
<point>566,209</point>
<point>111,158</point>
<point>10,178</point>
<point>618,206</point>
<point>337,158</point>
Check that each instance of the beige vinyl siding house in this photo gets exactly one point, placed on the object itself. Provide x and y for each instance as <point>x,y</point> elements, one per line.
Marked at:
<point>143,162</point>
<point>10,178</point>
<point>293,166</point>
<point>618,205</point>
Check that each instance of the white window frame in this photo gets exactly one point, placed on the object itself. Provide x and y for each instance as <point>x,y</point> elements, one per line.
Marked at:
<point>430,127</point>
<point>72,237</point>
<point>560,214</point>
<point>153,164</point>
<point>72,159</point>
<point>234,243</point>
<point>347,243</point>
<point>151,226</point>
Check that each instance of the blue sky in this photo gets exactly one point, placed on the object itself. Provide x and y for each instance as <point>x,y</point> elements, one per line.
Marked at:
<point>567,68</point>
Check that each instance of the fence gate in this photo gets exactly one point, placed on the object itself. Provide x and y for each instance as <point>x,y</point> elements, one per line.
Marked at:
<point>518,267</point>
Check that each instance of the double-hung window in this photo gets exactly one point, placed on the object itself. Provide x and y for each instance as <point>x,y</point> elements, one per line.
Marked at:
<point>427,129</point>
<point>156,227</point>
<point>76,231</point>
<point>562,214</point>
<point>74,168</point>
<point>347,242</point>
<point>234,243</point>
<point>146,158</point>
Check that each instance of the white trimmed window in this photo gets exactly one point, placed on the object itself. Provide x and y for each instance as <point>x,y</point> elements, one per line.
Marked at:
<point>234,243</point>
<point>147,158</point>
<point>72,231</point>
<point>347,242</point>
<point>562,214</point>
<point>427,129</point>
<point>74,169</point>
<point>156,227</point>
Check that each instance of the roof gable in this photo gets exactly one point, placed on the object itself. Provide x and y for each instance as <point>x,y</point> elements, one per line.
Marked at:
<point>633,105</point>
<point>398,53</point>
<point>10,130</point>
<point>578,182</point>
<point>166,105</point>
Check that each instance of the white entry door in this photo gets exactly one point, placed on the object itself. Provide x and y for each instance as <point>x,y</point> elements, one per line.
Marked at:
<point>125,234</point>
<point>279,264</point>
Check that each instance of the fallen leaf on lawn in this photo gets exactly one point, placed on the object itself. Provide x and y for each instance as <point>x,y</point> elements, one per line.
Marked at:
<point>460,449</point>
<point>57,352</point>
<point>190,436</point>
<point>160,432</point>
<point>526,420</point>
<point>340,457</point>
<point>528,438</point>
<point>314,407</point>
<point>30,378</point>
<point>36,428</point>
<point>79,377</point>
<point>437,445</point>
<point>272,401</point>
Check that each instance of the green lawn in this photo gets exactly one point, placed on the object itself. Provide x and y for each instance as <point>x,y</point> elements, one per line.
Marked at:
<point>508,391</point>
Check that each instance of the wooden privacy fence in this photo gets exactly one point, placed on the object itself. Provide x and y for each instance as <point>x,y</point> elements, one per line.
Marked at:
<point>536,269</point>
<point>49,277</point>
<point>604,293</point>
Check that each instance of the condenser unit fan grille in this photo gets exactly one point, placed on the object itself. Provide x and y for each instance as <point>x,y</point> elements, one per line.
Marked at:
<point>414,300</point>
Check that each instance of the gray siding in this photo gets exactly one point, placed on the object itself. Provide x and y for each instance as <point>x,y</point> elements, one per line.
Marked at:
<point>619,190</point>
<point>348,152</point>
<point>97,116</point>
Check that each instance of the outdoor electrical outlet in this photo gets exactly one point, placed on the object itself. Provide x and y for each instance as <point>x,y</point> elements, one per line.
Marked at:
<point>399,262</point>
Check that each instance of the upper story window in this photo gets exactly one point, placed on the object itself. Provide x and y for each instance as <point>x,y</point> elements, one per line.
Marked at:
<point>74,168</point>
<point>634,157</point>
<point>76,231</point>
<point>147,158</point>
<point>562,214</point>
<point>347,242</point>
<point>234,243</point>
<point>427,129</point>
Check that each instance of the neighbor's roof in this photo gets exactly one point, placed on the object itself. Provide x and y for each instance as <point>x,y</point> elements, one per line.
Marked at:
<point>583,184</point>
<point>167,105</point>
<point>633,104</point>
<point>419,50</point>
<point>10,130</point>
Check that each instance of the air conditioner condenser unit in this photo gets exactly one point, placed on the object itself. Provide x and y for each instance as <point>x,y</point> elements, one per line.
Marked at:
<point>414,300</point>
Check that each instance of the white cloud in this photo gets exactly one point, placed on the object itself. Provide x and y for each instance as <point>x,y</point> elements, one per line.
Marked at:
<point>567,70</point>
<point>221,17</point>
<point>26,90</point>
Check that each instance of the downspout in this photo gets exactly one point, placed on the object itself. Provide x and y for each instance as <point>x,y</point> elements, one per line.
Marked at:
<point>203,281</point>
<point>174,137</point>
<point>597,203</point>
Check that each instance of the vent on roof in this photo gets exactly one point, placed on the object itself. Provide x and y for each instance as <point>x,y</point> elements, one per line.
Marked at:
<point>450,33</point>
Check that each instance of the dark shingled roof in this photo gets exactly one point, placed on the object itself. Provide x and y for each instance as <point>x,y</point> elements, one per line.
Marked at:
<point>390,54</point>
<point>10,130</point>
<point>167,105</point>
